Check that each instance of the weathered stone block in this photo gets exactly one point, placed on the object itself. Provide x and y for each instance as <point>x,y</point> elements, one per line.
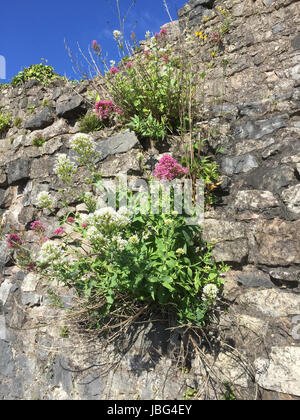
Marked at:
<point>238,164</point>
<point>72,108</point>
<point>119,143</point>
<point>281,371</point>
<point>291,197</point>
<point>17,170</point>
<point>41,120</point>
<point>278,242</point>
<point>255,200</point>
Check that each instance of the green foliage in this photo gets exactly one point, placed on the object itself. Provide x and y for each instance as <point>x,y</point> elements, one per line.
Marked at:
<point>18,122</point>
<point>162,262</point>
<point>190,394</point>
<point>148,127</point>
<point>229,394</point>
<point>38,141</point>
<point>45,103</point>
<point>203,167</point>
<point>89,123</point>
<point>31,108</point>
<point>64,332</point>
<point>5,122</point>
<point>41,72</point>
<point>153,92</point>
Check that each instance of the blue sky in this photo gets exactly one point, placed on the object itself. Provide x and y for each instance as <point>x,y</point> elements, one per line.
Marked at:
<point>35,29</point>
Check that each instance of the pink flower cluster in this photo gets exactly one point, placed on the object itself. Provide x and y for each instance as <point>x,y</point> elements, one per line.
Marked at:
<point>105,108</point>
<point>95,46</point>
<point>13,240</point>
<point>59,231</point>
<point>168,169</point>
<point>114,70</point>
<point>161,34</point>
<point>37,226</point>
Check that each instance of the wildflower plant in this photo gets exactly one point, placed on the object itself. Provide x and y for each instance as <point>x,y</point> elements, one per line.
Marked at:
<point>65,169</point>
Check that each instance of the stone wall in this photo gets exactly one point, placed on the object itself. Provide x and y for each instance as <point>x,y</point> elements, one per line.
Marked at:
<point>255,226</point>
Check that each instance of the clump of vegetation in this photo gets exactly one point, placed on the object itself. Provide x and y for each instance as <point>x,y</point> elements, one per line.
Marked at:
<point>89,123</point>
<point>31,108</point>
<point>152,92</point>
<point>38,141</point>
<point>41,72</point>
<point>5,122</point>
<point>18,122</point>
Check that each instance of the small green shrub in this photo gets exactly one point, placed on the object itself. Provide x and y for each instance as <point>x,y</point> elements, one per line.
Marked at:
<point>148,127</point>
<point>38,141</point>
<point>41,72</point>
<point>31,108</point>
<point>45,103</point>
<point>18,122</point>
<point>89,123</point>
<point>5,122</point>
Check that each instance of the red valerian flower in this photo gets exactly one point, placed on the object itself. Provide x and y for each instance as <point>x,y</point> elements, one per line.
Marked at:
<point>13,240</point>
<point>59,231</point>
<point>168,169</point>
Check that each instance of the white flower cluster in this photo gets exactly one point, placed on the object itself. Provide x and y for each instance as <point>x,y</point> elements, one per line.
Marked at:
<point>93,235</point>
<point>119,242</point>
<point>83,144</point>
<point>44,200</point>
<point>64,168</point>
<point>134,240</point>
<point>210,291</point>
<point>117,34</point>
<point>50,252</point>
<point>107,215</point>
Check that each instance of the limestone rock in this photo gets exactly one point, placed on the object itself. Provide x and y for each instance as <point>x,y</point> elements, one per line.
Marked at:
<point>255,200</point>
<point>41,120</point>
<point>281,372</point>
<point>291,197</point>
<point>119,143</point>
<point>5,289</point>
<point>73,107</point>
<point>278,242</point>
<point>17,170</point>
<point>270,179</point>
<point>254,278</point>
<point>228,238</point>
<point>238,164</point>
<point>272,303</point>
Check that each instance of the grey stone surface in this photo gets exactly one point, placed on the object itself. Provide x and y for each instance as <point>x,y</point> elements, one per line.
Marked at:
<point>228,238</point>
<point>119,143</point>
<point>41,120</point>
<point>281,372</point>
<point>270,179</point>
<point>272,303</point>
<point>291,197</point>
<point>91,387</point>
<point>258,129</point>
<point>277,243</point>
<point>295,42</point>
<point>17,170</point>
<point>3,330</point>
<point>71,108</point>
<point>5,289</point>
<point>60,373</point>
<point>238,164</point>
<point>286,275</point>
<point>4,254</point>
<point>31,299</point>
<point>255,200</point>
<point>7,365</point>
<point>254,278</point>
